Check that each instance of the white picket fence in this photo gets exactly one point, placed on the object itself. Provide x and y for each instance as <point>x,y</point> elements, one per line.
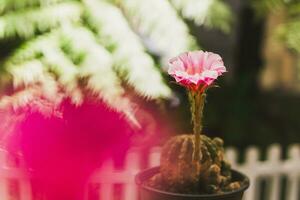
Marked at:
<point>109,183</point>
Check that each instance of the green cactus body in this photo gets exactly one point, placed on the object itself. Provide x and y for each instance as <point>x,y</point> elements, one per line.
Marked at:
<point>180,173</point>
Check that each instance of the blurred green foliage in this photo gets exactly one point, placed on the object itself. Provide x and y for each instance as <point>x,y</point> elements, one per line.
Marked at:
<point>59,43</point>
<point>61,39</point>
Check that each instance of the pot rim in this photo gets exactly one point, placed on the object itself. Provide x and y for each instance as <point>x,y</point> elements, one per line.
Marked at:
<point>139,182</point>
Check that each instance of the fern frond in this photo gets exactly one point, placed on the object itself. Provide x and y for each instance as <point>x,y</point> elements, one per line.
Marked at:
<point>219,16</point>
<point>31,99</point>
<point>26,73</point>
<point>290,34</point>
<point>47,51</point>
<point>14,108</point>
<point>157,22</point>
<point>264,6</point>
<point>193,9</point>
<point>294,9</point>
<point>210,13</point>
<point>289,11</point>
<point>31,49</point>
<point>12,5</point>
<point>133,63</point>
<point>65,70</point>
<point>27,23</point>
<point>97,68</point>
<point>30,73</point>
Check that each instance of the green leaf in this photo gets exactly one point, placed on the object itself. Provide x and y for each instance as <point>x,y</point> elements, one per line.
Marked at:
<point>27,23</point>
<point>13,5</point>
<point>129,56</point>
<point>97,67</point>
<point>164,33</point>
<point>219,16</point>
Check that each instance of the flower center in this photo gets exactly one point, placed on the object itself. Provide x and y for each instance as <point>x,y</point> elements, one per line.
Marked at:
<point>193,70</point>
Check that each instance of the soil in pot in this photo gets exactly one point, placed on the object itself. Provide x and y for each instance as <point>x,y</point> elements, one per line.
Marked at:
<point>148,192</point>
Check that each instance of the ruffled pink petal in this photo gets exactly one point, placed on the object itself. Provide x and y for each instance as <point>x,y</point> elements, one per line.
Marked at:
<point>209,74</point>
<point>196,60</point>
<point>196,68</point>
<point>175,65</point>
<point>192,62</point>
<point>213,59</point>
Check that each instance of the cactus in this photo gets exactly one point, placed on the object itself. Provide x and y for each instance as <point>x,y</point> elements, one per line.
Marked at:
<point>195,163</point>
<point>179,173</point>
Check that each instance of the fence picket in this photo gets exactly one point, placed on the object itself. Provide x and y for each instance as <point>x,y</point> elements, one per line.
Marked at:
<point>154,157</point>
<point>252,158</point>
<point>294,174</point>
<point>3,188</point>
<point>273,159</point>
<point>107,176</point>
<point>106,191</point>
<point>25,189</point>
<point>3,183</point>
<point>231,156</point>
<point>103,176</point>
<point>24,182</point>
<point>132,166</point>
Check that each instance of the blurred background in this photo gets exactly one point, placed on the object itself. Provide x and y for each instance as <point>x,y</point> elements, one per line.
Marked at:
<point>119,47</point>
<point>117,51</point>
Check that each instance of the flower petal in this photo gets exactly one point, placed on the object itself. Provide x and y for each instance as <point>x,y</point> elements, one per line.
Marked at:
<point>192,69</point>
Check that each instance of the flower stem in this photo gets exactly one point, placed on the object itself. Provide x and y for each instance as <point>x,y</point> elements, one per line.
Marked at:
<point>197,101</point>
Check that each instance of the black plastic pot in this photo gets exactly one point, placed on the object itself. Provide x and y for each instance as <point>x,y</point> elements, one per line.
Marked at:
<point>148,193</point>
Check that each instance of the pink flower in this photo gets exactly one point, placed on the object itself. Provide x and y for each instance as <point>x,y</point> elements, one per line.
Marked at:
<point>197,69</point>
